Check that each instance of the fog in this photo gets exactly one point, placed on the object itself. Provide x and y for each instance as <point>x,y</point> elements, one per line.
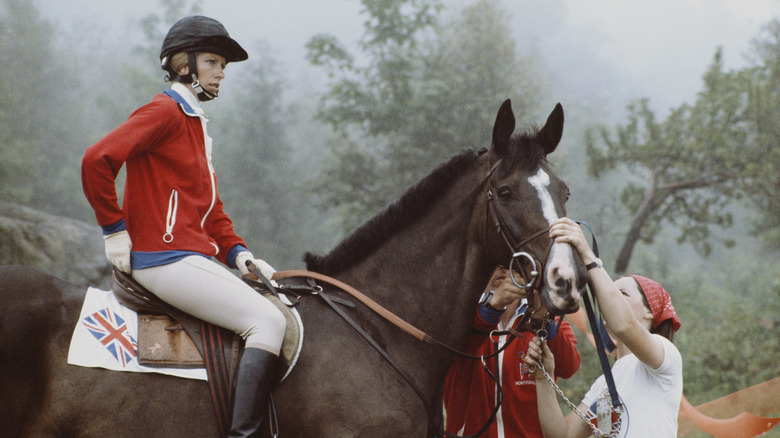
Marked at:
<point>611,50</point>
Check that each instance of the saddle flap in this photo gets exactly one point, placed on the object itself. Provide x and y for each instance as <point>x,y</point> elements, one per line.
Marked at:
<point>163,342</point>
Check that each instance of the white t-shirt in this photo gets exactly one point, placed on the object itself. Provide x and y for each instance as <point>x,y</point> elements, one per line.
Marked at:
<point>651,398</point>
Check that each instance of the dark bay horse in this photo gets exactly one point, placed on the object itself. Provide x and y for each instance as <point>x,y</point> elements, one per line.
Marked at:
<point>426,258</point>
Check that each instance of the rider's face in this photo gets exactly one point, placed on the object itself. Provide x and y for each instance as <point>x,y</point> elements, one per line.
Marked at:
<point>211,70</point>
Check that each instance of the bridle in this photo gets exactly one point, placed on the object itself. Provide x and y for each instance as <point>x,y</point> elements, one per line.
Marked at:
<point>515,246</point>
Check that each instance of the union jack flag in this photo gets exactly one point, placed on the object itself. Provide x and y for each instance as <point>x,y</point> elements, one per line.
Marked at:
<point>111,331</point>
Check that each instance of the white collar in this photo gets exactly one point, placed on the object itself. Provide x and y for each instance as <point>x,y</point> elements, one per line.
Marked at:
<point>187,95</point>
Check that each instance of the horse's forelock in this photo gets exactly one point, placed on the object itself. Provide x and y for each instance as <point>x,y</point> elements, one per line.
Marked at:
<point>361,242</point>
<point>525,153</point>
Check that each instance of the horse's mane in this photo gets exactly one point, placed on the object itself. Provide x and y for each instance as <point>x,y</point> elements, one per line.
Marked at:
<point>404,210</point>
<point>524,153</point>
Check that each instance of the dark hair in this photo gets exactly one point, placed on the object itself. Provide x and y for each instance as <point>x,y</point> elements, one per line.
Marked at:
<point>666,327</point>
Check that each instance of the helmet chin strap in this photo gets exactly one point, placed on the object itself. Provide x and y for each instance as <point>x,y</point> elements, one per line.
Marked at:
<point>203,94</point>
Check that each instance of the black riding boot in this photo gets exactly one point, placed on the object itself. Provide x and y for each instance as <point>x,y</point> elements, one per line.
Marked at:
<point>257,376</point>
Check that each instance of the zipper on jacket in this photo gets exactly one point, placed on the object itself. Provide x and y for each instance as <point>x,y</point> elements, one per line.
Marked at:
<point>170,221</point>
<point>207,146</point>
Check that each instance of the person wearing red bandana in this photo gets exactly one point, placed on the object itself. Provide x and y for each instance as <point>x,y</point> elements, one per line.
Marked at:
<point>639,316</point>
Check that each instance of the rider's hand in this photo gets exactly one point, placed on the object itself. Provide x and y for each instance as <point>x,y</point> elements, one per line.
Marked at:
<point>118,246</point>
<point>538,352</point>
<point>245,256</point>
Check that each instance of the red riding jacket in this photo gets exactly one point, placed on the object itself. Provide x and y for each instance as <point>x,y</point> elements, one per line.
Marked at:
<point>469,392</point>
<point>170,203</point>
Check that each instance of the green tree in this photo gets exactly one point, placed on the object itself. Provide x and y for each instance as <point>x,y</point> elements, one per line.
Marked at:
<point>37,115</point>
<point>253,160</point>
<point>690,169</point>
<point>430,88</point>
<point>761,115</point>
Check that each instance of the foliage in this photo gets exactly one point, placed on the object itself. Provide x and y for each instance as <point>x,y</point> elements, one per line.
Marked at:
<point>702,158</point>
<point>430,88</point>
<point>36,113</point>
<point>762,116</point>
<point>253,160</point>
<point>720,345</point>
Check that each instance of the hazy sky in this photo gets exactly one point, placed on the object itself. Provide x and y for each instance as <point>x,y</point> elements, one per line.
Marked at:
<point>618,49</point>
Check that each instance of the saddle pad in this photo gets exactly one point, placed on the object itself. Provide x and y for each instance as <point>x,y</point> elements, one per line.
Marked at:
<point>106,336</point>
<point>293,335</point>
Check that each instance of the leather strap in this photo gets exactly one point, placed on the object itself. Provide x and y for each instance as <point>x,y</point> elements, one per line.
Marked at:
<point>373,305</point>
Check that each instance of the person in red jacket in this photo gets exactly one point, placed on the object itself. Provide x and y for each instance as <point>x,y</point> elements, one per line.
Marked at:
<point>470,393</point>
<point>172,221</point>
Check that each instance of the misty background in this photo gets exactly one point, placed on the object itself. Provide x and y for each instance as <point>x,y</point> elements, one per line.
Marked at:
<point>301,163</point>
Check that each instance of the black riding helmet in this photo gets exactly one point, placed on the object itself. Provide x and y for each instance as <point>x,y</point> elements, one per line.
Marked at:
<point>198,34</point>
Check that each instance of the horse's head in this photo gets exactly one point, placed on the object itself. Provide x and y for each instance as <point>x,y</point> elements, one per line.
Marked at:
<point>524,197</point>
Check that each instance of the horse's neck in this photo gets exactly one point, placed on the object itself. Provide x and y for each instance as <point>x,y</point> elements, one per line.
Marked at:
<point>429,272</point>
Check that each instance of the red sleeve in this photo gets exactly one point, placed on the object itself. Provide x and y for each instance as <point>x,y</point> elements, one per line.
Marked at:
<point>478,336</point>
<point>103,160</point>
<point>564,348</point>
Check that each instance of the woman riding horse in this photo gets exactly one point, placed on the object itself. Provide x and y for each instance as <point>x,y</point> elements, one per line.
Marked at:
<point>172,221</point>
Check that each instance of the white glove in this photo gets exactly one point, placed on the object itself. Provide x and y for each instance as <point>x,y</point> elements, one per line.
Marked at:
<point>245,256</point>
<point>118,247</point>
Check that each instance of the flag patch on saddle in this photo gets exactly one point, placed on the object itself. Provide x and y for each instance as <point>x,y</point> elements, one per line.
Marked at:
<point>110,330</point>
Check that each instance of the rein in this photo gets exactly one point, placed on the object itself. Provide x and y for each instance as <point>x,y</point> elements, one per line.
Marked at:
<point>395,320</point>
<point>373,305</point>
<point>601,339</point>
<point>382,311</point>
<point>403,325</point>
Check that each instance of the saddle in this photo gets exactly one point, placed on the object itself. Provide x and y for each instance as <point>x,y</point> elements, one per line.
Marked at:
<point>169,337</point>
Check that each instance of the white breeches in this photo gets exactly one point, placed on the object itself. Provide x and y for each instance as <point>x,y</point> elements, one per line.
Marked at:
<point>209,291</point>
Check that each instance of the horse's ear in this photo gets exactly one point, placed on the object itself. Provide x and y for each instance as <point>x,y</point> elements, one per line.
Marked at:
<point>552,132</point>
<point>503,128</point>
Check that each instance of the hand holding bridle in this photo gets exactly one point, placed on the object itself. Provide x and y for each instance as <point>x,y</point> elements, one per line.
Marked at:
<point>539,353</point>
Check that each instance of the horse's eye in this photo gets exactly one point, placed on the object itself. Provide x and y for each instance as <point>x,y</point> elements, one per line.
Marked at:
<point>504,193</point>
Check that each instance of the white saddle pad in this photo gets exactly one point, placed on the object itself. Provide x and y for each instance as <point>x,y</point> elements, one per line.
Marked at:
<point>106,337</point>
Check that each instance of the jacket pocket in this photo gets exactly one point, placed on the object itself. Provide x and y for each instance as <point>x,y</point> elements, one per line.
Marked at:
<point>170,220</point>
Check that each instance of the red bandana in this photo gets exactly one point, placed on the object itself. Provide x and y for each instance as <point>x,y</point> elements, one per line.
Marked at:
<point>659,300</point>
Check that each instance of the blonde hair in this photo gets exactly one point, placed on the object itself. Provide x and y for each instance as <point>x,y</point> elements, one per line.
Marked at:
<point>178,60</point>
